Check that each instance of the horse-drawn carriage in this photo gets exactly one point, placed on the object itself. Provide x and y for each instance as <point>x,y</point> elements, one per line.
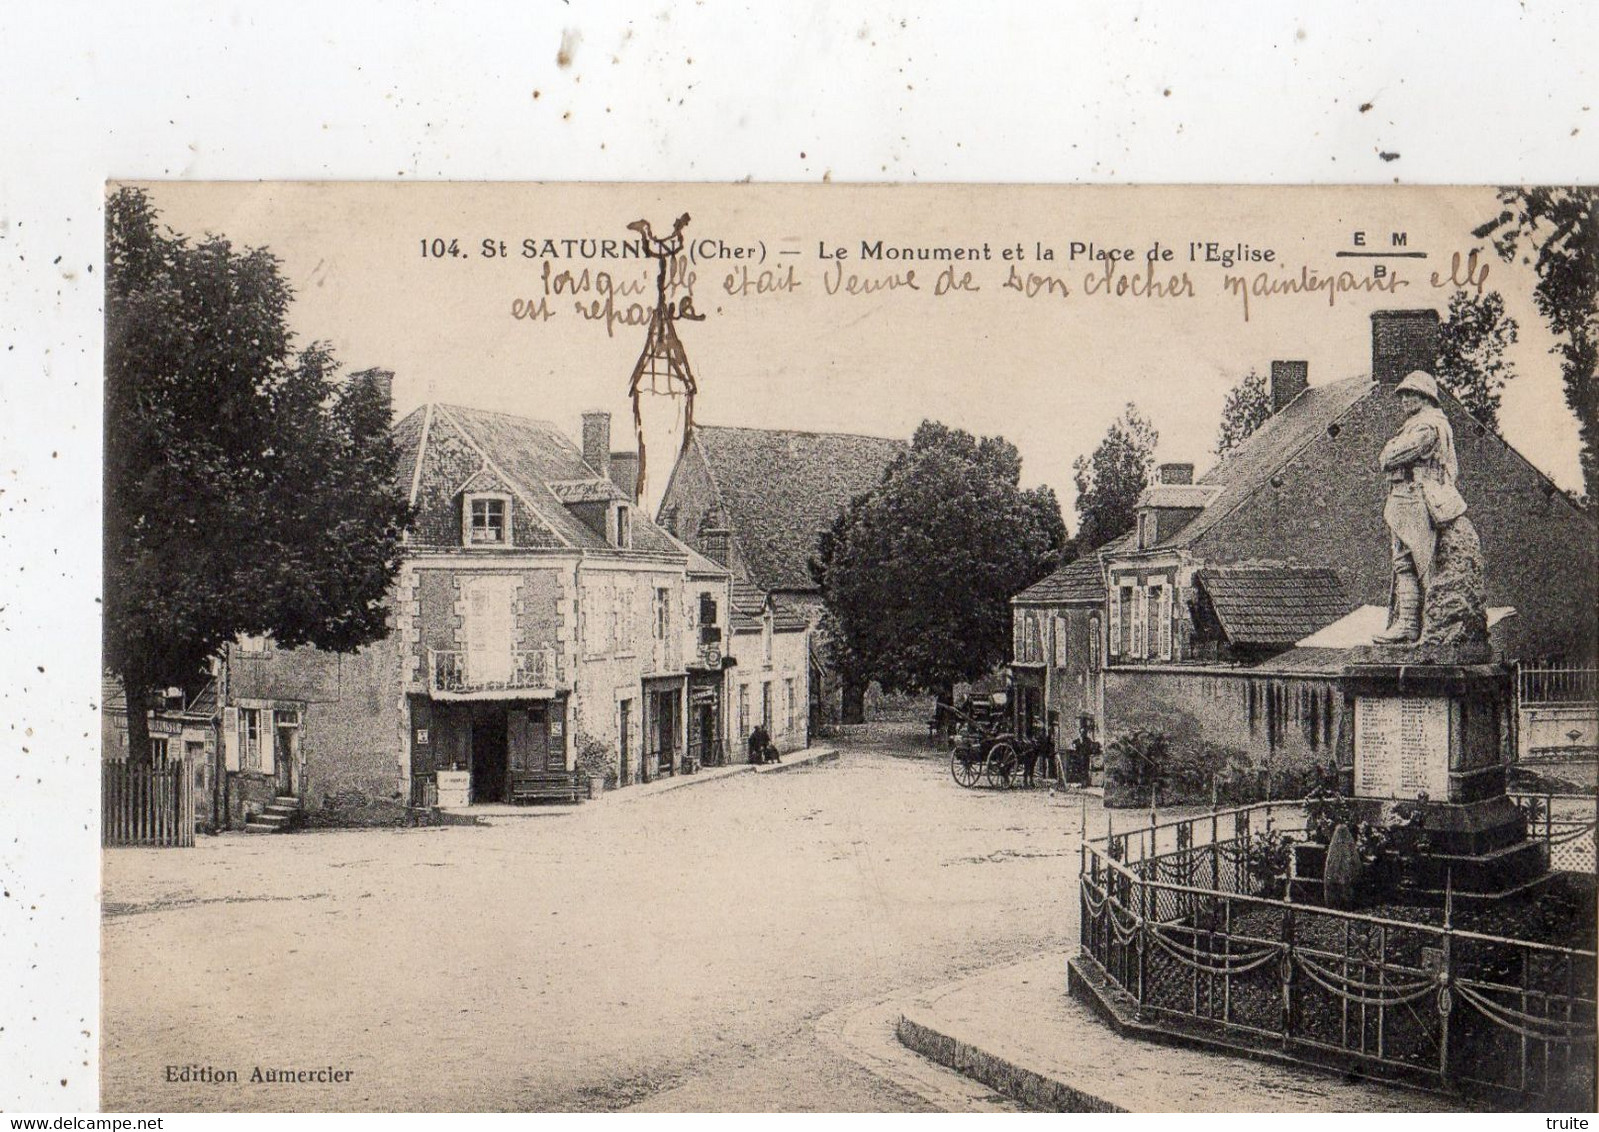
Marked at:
<point>986,747</point>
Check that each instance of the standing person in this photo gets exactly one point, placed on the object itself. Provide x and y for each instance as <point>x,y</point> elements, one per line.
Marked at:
<point>1422,498</point>
<point>1029,753</point>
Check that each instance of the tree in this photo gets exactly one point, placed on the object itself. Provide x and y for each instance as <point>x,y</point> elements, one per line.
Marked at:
<point>1553,229</point>
<point>247,490</point>
<point>1110,480</point>
<point>1471,352</point>
<point>917,575</point>
<point>1247,407</point>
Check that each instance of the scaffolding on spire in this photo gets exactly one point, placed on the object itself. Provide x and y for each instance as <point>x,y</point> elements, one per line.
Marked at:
<point>662,369</point>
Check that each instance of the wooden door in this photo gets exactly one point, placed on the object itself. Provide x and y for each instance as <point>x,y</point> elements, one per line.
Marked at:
<point>529,739</point>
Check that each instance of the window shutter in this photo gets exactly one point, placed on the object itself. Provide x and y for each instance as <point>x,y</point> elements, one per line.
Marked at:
<point>1165,622</point>
<point>230,738</point>
<point>269,741</point>
<point>1115,634</point>
<point>1140,610</point>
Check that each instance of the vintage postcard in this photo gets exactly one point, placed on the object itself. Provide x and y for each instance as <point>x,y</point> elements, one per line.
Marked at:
<point>683,647</point>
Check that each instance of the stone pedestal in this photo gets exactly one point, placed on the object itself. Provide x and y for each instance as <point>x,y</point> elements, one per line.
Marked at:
<point>1441,737</point>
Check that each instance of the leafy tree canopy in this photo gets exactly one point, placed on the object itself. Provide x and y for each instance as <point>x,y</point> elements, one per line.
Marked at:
<point>1110,479</point>
<point>1471,352</point>
<point>1246,408</point>
<point>918,574</point>
<point>247,489</point>
<point>1553,230</point>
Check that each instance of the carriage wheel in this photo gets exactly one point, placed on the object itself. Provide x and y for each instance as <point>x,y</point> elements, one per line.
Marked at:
<point>965,773</point>
<point>1001,762</point>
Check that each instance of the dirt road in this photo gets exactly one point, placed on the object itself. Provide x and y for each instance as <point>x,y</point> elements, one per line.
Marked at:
<point>671,952</point>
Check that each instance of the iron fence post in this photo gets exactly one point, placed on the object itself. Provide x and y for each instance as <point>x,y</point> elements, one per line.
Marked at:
<point>1285,969</point>
<point>1140,942</point>
<point>1445,995</point>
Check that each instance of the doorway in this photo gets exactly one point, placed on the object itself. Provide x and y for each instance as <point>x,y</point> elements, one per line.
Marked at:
<point>660,755</point>
<point>286,753</point>
<point>528,742</point>
<point>490,757</point>
<point>703,742</point>
<point>624,773</point>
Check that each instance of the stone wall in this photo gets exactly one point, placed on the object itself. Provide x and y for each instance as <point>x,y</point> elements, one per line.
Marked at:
<point>1287,724</point>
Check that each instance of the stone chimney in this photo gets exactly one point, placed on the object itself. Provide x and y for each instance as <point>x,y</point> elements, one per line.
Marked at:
<point>1174,473</point>
<point>1288,380</point>
<point>624,473</point>
<point>597,442</point>
<point>1402,341</point>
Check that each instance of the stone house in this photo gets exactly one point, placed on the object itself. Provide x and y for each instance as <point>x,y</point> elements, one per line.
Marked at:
<point>536,613</point>
<point>1058,651</point>
<point>183,724</point>
<point>769,685</point>
<point>757,500</point>
<point>1207,601</point>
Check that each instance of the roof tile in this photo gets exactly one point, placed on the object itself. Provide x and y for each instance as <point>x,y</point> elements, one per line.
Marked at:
<point>1273,605</point>
<point>781,490</point>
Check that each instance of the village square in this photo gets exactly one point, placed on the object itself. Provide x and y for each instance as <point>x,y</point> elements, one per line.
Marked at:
<point>677,764</point>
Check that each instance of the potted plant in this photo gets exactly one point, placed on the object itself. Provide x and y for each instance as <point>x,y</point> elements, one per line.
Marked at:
<point>594,760</point>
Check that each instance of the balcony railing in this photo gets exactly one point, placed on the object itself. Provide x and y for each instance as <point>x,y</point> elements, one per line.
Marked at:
<point>531,670</point>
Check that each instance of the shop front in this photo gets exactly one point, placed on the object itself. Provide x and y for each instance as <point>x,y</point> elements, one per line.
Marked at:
<point>470,752</point>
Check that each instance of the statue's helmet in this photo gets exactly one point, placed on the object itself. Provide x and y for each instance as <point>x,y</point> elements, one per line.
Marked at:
<point>1420,382</point>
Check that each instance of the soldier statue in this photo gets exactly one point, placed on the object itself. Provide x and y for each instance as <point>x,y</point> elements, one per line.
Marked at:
<point>1422,502</point>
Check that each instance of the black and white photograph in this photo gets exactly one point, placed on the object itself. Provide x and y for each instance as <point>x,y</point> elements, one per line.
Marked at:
<point>811,562</point>
<point>911,648</point>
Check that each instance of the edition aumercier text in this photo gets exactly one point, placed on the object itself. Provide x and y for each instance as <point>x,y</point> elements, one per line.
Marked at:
<point>258,1075</point>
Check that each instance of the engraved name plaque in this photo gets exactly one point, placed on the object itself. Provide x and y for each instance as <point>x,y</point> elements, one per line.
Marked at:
<point>1402,747</point>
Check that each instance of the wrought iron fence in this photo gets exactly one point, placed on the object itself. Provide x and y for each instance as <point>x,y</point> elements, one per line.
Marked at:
<point>451,671</point>
<point>1565,824</point>
<point>1185,919</point>
<point>1556,684</point>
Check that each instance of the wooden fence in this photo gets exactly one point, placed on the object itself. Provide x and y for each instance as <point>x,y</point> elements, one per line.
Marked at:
<point>146,805</point>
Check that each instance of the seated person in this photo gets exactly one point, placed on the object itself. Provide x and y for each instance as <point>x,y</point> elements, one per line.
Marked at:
<point>761,749</point>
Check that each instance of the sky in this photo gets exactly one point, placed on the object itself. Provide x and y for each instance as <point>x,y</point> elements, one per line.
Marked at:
<point>804,328</point>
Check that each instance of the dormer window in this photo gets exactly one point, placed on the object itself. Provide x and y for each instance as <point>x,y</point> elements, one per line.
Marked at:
<point>1146,529</point>
<point>624,526</point>
<point>486,520</point>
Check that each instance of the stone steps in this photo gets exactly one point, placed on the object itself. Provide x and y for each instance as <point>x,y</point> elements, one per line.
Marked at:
<point>277,816</point>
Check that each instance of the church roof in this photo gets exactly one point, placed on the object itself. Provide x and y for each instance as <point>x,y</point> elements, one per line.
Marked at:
<point>781,489</point>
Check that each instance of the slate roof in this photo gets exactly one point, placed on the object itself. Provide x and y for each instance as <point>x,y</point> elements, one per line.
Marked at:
<point>539,462</point>
<point>1079,582</point>
<point>781,490</point>
<point>749,603</point>
<point>586,491</point>
<point>1273,605</point>
<point>1178,495</point>
<point>1244,470</point>
<point>749,606</point>
<point>113,700</point>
